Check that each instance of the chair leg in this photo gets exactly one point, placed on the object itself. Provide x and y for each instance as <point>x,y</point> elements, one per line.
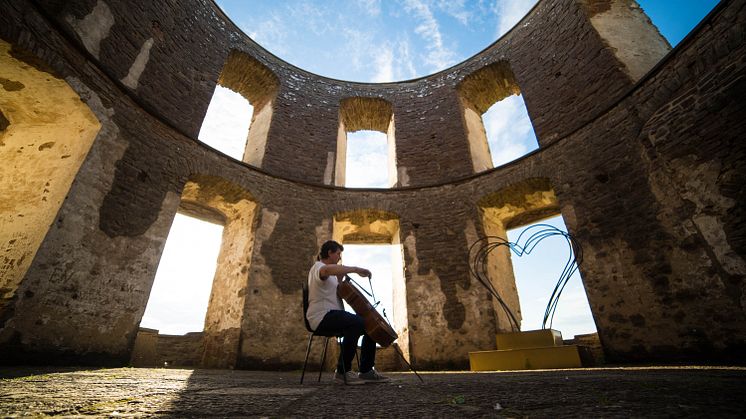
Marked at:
<point>341,359</point>
<point>323,358</point>
<point>305,362</point>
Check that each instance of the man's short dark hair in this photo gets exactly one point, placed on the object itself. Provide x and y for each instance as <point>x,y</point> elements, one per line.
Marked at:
<point>329,247</point>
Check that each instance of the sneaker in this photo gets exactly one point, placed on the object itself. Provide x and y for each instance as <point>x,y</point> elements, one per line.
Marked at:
<point>372,376</point>
<point>349,378</point>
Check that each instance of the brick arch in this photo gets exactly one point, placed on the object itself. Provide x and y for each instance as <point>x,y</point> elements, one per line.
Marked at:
<point>222,330</point>
<point>511,206</point>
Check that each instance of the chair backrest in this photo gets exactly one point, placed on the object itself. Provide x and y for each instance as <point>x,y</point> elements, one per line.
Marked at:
<point>305,306</point>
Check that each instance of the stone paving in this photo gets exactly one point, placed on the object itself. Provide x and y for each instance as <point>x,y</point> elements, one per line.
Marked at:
<point>603,392</point>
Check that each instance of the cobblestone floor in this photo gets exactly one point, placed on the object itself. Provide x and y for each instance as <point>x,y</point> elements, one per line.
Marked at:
<point>607,392</point>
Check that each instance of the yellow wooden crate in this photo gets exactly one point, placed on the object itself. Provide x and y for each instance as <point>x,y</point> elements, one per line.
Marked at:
<point>529,339</point>
<point>526,359</point>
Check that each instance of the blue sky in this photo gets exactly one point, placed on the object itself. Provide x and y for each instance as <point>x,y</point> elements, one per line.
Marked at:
<point>391,40</point>
<point>383,41</point>
<point>369,40</point>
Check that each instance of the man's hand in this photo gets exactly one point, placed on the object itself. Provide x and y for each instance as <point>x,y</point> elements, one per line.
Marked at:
<point>364,272</point>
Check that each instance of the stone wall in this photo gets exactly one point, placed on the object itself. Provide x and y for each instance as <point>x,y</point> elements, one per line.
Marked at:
<point>646,171</point>
<point>154,350</point>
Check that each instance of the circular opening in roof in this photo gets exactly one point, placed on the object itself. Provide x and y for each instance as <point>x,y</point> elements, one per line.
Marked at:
<point>374,40</point>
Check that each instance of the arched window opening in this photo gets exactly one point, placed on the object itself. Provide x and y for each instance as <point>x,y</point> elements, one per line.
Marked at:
<point>181,290</point>
<point>366,144</point>
<point>200,280</point>
<point>371,239</point>
<point>240,113</point>
<point>497,124</point>
<point>526,283</point>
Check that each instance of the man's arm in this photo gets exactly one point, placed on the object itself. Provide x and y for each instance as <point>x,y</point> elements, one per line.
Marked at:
<point>341,270</point>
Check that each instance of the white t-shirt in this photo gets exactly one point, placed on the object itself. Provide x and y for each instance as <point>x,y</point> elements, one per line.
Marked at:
<point>322,295</point>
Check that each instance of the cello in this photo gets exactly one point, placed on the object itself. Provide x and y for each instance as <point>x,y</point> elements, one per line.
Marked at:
<point>375,325</point>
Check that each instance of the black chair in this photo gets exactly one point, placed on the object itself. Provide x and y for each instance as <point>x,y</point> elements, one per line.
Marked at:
<point>314,333</point>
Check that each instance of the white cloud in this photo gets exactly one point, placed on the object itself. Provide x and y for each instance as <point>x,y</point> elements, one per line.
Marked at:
<point>438,56</point>
<point>384,65</point>
<point>357,48</point>
<point>509,12</point>
<point>226,123</point>
<point>456,9</point>
<point>270,33</point>
<point>379,60</point>
<point>392,61</point>
<point>359,36</point>
<point>509,131</point>
<point>405,68</point>
<point>371,7</point>
<point>367,160</point>
<point>315,16</point>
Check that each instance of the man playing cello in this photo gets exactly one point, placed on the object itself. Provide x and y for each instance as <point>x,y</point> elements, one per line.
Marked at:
<point>326,314</point>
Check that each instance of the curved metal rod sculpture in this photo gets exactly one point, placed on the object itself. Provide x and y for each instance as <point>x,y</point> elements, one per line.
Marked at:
<point>480,250</point>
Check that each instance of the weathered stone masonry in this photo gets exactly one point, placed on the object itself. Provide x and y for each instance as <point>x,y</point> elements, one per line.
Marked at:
<point>641,152</point>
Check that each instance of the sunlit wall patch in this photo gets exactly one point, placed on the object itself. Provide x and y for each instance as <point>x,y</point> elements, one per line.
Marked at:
<point>46,132</point>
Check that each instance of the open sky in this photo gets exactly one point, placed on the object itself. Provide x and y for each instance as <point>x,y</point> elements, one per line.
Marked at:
<point>381,41</point>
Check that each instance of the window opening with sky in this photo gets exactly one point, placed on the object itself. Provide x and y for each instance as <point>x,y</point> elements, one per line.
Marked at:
<point>496,120</point>
<point>226,124</point>
<point>367,160</point>
<point>181,290</point>
<point>510,134</point>
<point>536,275</point>
<point>387,266</point>
<point>366,144</point>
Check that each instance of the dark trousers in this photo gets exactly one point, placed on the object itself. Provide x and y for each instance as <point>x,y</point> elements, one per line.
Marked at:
<point>351,327</point>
